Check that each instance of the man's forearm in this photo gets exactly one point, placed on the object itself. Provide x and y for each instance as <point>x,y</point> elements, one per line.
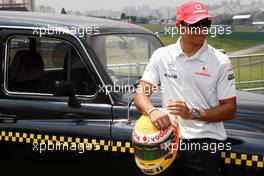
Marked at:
<point>220,113</point>
<point>143,103</point>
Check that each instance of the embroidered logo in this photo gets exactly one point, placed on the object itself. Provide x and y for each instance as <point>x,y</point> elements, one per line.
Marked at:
<point>203,71</point>
<point>170,75</point>
<point>198,6</point>
<point>171,64</point>
<point>231,76</point>
<point>203,68</point>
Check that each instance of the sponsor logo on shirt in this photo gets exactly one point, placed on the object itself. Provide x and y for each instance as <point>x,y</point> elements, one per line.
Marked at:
<point>203,68</point>
<point>170,75</point>
<point>230,77</point>
<point>171,66</point>
<point>202,72</point>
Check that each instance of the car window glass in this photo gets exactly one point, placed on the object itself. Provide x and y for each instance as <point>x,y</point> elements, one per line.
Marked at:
<point>121,49</point>
<point>124,54</point>
<point>35,64</point>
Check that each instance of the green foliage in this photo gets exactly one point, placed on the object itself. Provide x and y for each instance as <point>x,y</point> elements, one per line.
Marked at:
<point>236,41</point>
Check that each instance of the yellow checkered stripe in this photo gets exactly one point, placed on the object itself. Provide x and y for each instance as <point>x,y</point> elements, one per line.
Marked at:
<point>123,147</point>
<point>243,159</point>
<point>31,138</point>
<point>117,146</point>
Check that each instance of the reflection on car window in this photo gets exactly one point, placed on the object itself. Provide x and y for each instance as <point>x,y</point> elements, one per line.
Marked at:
<point>124,55</point>
<point>34,64</point>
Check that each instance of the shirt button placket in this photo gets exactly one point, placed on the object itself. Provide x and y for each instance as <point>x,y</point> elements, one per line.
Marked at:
<point>185,76</point>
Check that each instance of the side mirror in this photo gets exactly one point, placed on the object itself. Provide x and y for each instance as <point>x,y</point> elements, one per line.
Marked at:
<point>66,88</point>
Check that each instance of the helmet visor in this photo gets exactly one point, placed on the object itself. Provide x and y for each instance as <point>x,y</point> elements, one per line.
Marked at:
<point>149,153</point>
<point>156,151</point>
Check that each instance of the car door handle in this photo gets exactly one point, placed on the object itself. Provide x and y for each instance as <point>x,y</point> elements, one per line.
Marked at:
<point>7,118</point>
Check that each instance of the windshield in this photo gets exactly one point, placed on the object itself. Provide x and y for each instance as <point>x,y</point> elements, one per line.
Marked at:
<point>125,56</point>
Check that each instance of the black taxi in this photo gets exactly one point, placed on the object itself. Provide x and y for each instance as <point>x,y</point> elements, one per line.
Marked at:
<point>67,88</point>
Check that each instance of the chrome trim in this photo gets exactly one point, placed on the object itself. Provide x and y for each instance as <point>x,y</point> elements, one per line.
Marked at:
<point>67,32</point>
<point>65,120</point>
<point>96,120</point>
<point>51,69</point>
<point>121,120</point>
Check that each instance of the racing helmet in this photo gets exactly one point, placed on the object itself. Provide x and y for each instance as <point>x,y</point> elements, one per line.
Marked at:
<point>154,149</point>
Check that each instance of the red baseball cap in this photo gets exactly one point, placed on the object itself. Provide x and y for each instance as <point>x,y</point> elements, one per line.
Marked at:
<point>192,12</point>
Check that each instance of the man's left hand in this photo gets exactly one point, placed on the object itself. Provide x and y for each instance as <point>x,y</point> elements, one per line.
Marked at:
<point>178,107</point>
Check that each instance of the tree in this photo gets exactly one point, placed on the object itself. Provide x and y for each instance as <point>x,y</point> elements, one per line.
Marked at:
<point>63,11</point>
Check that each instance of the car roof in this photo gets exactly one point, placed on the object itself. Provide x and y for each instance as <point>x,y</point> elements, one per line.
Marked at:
<point>37,19</point>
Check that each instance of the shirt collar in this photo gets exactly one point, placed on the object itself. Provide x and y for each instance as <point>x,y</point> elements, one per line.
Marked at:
<point>178,48</point>
<point>197,55</point>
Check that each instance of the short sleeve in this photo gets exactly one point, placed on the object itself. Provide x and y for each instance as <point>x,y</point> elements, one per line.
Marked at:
<point>226,87</point>
<point>151,72</point>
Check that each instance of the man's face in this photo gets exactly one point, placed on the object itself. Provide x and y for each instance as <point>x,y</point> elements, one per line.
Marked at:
<point>195,33</point>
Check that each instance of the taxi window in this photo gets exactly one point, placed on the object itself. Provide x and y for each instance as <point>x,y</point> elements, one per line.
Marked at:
<point>35,64</point>
<point>124,54</point>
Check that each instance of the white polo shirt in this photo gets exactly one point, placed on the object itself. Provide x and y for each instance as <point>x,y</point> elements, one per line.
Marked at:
<point>201,81</point>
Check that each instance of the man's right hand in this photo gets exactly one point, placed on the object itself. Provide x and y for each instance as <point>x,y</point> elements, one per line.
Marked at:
<point>160,119</point>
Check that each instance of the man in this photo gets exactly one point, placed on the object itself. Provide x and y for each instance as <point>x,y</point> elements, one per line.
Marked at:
<point>197,84</point>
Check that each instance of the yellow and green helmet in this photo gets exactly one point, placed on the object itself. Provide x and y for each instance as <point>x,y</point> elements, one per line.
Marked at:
<point>153,148</point>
